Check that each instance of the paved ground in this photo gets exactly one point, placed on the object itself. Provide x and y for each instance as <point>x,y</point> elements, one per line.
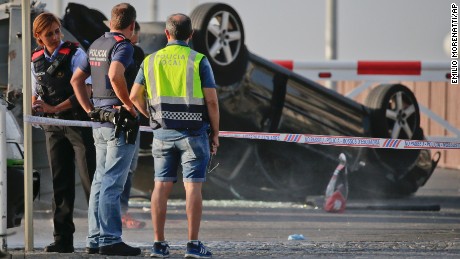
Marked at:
<point>401,228</point>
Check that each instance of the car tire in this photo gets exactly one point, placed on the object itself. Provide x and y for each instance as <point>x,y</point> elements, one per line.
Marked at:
<point>78,16</point>
<point>394,112</point>
<point>221,42</point>
<point>15,196</point>
<point>15,214</point>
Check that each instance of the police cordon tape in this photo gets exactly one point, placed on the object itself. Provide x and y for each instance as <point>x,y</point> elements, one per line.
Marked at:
<point>285,137</point>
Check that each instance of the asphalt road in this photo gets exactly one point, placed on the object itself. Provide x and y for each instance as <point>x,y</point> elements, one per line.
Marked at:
<point>426,225</point>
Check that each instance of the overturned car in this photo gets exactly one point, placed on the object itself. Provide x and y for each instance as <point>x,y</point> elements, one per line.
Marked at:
<point>257,95</point>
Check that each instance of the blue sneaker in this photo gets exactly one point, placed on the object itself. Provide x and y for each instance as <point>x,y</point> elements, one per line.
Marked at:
<point>196,249</point>
<point>160,250</point>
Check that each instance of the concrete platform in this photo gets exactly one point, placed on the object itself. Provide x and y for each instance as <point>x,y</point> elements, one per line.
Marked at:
<point>400,228</point>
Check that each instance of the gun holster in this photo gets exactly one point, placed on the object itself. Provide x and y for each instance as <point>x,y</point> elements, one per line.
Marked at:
<point>128,124</point>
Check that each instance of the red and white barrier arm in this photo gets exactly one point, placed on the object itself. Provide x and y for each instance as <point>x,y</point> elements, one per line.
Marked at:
<point>296,138</point>
<point>370,70</point>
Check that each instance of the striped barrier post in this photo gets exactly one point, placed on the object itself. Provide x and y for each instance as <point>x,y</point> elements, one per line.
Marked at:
<point>370,70</point>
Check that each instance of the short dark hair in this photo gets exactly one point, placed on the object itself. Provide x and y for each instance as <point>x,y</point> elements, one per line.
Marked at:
<point>137,27</point>
<point>179,26</point>
<point>122,16</point>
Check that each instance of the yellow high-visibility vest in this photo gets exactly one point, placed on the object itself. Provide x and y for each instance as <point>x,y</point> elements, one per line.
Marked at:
<point>174,87</point>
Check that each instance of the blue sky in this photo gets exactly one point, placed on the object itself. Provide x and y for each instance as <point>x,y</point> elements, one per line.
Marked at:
<point>294,29</point>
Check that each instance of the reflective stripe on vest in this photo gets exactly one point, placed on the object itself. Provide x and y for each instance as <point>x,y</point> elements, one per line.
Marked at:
<point>174,86</point>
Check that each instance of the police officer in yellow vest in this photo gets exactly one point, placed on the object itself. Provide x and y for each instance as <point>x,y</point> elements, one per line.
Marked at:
<point>184,112</point>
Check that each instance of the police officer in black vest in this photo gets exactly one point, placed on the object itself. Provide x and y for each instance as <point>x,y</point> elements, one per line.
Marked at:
<point>53,63</point>
<point>112,69</point>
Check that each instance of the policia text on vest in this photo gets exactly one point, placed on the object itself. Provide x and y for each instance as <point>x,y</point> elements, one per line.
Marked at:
<point>171,59</point>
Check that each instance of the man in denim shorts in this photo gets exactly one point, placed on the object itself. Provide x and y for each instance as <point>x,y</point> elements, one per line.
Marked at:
<point>183,108</point>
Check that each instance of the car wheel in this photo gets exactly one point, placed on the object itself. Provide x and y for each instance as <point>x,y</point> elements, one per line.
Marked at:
<point>15,196</point>
<point>394,112</point>
<point>219,35</point>
<point>15,214</point>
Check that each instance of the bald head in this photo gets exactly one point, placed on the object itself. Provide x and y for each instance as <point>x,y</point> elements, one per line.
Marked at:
<point>179,26</point>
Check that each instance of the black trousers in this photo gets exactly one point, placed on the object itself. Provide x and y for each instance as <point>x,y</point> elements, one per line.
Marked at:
<point>67,147</point>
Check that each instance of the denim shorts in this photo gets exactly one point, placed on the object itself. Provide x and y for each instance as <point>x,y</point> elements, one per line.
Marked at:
<point>191,152</point>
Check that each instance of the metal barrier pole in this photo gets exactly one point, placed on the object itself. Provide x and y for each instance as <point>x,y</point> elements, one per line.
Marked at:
<point>331,37</point>
<point>3,187</point>
<point>27,106</point>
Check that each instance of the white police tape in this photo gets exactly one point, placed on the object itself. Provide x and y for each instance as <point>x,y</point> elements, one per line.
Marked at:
<point>284,137</point>
<point>57,122</point>
<point>344,140</point>
<point>72,123</point>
